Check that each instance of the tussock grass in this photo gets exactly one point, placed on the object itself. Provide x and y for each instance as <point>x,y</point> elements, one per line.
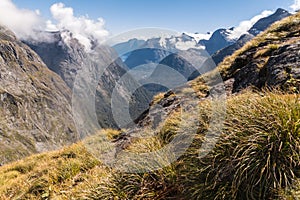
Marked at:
<point>257,157</point>
<point>46,175</point>
<point>258,153</point>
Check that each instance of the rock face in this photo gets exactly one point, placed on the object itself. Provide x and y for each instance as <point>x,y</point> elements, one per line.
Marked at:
<point>65,59</point>
<point>281,69</point>
<point>66,56</point>
<point>34,103</point>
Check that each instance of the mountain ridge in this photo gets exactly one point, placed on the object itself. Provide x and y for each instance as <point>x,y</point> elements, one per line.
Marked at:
<point>35,103</point>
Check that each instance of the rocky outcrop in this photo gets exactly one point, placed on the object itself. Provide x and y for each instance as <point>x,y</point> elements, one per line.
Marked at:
<point>281,70</point>
<point>34,103</point>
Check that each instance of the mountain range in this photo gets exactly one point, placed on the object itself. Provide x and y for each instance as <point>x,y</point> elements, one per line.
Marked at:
<point>255,153</point>
<point>66,57</point>
<point>220,44</point>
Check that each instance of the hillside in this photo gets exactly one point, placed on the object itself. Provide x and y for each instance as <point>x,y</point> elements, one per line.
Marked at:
<point>73,173</point>
<point>64,55</point>
<point>34,105</point>
<point>256,156</point>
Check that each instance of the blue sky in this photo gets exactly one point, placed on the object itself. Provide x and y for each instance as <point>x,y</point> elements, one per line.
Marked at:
<point>180,15</point>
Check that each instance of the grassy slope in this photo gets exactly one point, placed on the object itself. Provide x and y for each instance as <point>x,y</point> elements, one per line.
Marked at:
<point>257,156</point>
<point>261,132</point>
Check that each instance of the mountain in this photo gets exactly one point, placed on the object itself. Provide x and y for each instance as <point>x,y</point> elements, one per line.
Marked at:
<point>124,48</point>
<point>257,151</point>
<point>145,56</point>
<point>143,52</point>
<point>268,60</point>
<point>218,40</point>
<point>155,50</point>
<point>35,103</point>
<point>67,57</point>
<point>63,57</point>
<point>173,43</point>
<point>219,56</point>
<point>262,24</point>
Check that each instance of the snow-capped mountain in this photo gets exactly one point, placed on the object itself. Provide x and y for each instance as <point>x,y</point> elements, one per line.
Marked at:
<point>154,50</point>
<point>174,43</point>
<point>219,39</point>
<point>219,44</point>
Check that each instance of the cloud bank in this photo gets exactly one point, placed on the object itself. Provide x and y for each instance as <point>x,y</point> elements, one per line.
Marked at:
<point>28,24</point>
<point>82,28</point>
<point>22,22</point>
<point>244,26</point>
<point>295,6</point>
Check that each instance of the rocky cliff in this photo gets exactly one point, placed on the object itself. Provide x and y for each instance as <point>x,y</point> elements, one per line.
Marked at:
<point>34,103</point>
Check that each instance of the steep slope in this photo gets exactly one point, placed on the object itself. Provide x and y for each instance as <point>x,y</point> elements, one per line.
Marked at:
<point>63,56</point>
<point>35,103</point>
<point>67,57</point>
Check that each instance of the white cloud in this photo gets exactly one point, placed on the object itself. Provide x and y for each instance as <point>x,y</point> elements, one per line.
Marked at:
<point>244,26</point>
<point>83,28</point>
<point>200,36</point>
<point>22,22</point>
<point>296,5</point>
<point>28,24</point>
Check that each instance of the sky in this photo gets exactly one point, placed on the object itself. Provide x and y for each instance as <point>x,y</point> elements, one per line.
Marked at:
<point>179,15</point>
<point>99,20</point>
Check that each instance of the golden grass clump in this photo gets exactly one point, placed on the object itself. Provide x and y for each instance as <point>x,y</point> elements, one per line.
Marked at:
<point>258,153</point>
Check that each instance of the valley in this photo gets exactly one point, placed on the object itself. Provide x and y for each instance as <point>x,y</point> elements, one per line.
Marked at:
<point>187,116</point>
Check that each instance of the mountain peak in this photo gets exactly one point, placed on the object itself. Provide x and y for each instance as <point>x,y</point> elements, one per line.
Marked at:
<point>265,22</point>
<point>280,11</point>
<point>217,41</point>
